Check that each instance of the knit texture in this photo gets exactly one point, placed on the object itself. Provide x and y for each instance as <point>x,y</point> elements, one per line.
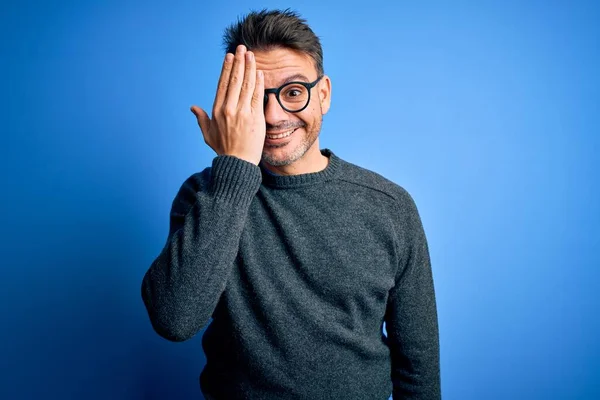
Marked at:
<point>298,274</point>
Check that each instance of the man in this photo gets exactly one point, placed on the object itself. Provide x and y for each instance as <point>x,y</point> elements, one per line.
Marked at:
<point>298,256</point>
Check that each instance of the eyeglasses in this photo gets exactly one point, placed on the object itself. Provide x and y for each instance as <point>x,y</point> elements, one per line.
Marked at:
<point>292,96</point>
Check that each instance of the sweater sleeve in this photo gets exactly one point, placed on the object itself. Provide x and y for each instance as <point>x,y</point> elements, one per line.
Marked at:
<point>183,285</point>
<point>411,315</point>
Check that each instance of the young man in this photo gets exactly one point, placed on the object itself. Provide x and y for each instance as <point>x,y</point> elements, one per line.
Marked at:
<point>298,256</point>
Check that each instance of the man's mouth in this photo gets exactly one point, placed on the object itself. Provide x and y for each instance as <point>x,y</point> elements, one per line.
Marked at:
<point>281,135</point>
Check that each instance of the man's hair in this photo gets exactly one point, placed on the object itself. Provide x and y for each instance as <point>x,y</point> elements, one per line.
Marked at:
<point>266,30</point>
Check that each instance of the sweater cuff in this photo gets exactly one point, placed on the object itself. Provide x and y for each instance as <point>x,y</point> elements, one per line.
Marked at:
<point>234,180</point>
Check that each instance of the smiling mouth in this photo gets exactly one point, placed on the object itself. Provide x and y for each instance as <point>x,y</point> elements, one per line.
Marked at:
<point>281,135</point>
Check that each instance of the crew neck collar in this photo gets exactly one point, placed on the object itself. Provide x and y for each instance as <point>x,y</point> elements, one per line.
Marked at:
<point>289,181</point>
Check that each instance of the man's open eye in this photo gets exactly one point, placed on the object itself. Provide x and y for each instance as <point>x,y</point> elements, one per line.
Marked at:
<point>294,92</point>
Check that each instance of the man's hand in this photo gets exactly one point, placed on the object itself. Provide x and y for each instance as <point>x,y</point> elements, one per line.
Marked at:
<point>237,127</point>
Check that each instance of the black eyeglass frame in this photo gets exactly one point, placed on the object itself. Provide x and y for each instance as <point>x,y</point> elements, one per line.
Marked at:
<point>276,91</point>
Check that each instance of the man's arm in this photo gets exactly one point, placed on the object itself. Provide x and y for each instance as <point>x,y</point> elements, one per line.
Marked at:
<point>411,316</point>
<point>184,283</point>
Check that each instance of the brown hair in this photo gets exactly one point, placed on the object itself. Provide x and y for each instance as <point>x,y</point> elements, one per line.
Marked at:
<point>265,30</point>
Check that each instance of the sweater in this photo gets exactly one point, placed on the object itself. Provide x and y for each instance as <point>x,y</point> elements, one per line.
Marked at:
<point>295,276</point>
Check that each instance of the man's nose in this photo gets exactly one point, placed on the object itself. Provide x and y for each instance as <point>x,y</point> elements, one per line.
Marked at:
<point>273,111</point>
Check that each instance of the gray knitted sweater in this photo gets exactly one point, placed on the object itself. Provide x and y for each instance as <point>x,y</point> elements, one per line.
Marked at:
<point>299,274</point>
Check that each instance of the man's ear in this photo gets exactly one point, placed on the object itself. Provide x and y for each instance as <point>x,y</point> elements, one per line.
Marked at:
<point>324,90</point>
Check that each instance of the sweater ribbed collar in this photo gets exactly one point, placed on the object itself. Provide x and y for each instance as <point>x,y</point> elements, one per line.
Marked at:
<point>290,181</point>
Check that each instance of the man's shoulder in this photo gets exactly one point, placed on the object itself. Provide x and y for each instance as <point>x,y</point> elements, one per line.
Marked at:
<point>198,180</point>
<point>355,174</point>
<point>194,183</point>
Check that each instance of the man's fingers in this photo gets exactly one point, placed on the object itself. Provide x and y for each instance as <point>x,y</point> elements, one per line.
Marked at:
<point>249,81</point>
<point>236,78</point>
<point>202,118</point>
<point>223,82</point>
<point>258,96</point>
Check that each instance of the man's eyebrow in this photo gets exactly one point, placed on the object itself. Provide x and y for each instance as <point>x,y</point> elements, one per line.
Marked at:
<point>295,77</point>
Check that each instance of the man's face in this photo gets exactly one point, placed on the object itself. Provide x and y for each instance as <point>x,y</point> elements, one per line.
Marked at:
<point>279,65</point>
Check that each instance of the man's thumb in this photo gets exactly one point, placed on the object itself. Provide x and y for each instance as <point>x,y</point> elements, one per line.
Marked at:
<point>202,118</point>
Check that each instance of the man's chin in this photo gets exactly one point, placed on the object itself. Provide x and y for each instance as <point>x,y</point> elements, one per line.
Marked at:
<point>275,162</point>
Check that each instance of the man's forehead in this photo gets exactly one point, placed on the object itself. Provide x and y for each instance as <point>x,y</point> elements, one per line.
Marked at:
<point>280,64</point>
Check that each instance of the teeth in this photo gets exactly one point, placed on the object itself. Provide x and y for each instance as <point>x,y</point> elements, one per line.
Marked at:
<point>281,135</point>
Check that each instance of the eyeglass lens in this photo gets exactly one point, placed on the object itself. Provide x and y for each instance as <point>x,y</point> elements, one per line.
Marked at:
<point>292,97</point>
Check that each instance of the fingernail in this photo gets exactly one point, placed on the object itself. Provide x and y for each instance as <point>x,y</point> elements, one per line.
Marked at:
<point>228,57</point>
<point>249,56</point>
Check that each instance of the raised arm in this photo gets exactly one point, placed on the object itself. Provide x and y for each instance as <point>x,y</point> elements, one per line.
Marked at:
<point>184,283</point>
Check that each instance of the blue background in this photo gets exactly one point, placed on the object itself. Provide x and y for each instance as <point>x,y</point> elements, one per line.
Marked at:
<point>488,114</point>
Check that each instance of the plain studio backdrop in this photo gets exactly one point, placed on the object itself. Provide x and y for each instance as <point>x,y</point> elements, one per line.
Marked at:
<point>488,113</point>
